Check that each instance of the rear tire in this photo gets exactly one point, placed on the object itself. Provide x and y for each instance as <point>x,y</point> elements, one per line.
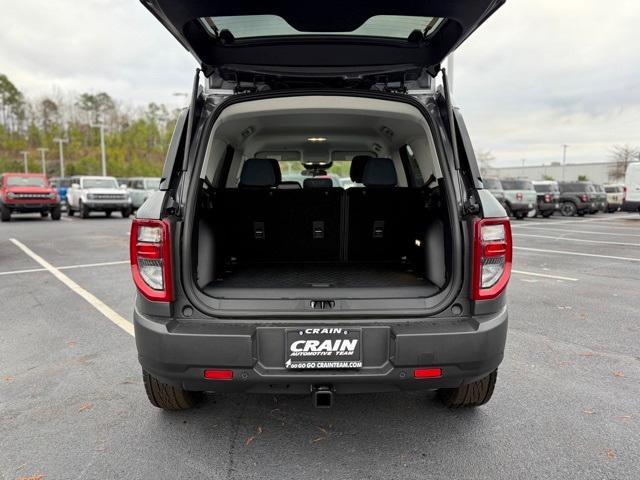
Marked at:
<point>5,214</point>
<point>519,215</point>
<point>168,397</point>
<point>44,214</point>
<point>107,213</point>
<point>70,211</point>
<point>126,212</point>
<point>547,214</point>
<point>568,209</point>
<point>470,395</point>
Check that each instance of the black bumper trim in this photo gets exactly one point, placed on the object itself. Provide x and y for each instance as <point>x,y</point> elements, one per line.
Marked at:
<point>178,352</point>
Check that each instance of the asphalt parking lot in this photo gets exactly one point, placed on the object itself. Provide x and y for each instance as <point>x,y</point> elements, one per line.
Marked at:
<point>72,403</point>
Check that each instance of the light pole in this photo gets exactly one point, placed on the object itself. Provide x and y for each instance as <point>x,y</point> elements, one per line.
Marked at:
<point>564,158</point>
<point>25,156</point>
<point>100,125</point>
<point>60,141</point>
<point>43,151</point>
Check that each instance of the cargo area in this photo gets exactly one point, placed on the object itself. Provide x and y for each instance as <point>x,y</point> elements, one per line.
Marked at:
<point>308,201</point>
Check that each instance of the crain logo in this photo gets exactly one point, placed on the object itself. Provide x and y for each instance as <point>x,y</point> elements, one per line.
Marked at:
<point>342,347</point>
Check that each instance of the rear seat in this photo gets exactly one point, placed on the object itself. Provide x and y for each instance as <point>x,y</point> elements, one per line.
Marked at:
<point>262,221</point>
<point>382,216</point>
<point>259,221</point>
<point>246,225</point>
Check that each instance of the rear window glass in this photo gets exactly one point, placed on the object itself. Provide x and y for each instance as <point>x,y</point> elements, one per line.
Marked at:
<point>247,26</point>
<point>14,181</point>
<point>99,183</point>
<point>517,185</point>
<point>293,170</point>
<point>613,189</point>
<point>546,187</point>
<point>573,187</point>
<point>492,183</point>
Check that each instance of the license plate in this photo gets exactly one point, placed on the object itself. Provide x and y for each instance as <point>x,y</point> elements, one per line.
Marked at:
<point>318,348</point>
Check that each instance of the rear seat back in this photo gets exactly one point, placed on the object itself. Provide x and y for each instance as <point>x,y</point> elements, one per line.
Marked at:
<point>382,216</point>
<point>260,222</point>
<point>309,224</point>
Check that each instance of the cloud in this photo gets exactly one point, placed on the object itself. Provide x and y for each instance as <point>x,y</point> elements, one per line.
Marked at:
<point>540,74</point>
<point>534,76</point>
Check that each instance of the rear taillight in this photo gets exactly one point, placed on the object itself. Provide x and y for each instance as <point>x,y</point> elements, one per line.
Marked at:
<point>491,257</point>
<point>547,198</point>
<point>584,197</point>
<point>519,196</point>
<point>150,248</point>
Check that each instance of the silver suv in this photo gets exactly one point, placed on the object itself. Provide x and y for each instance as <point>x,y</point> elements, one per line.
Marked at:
<point>249,283</point>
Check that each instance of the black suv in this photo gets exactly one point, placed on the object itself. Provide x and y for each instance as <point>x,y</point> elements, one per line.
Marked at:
<point>250,283</point>
<point>576,198</point>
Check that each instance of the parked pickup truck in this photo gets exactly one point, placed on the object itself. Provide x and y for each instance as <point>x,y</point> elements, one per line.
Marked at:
<point>101,194</point>
<point>27,193</point>
<point>548,197</point>
<point>520,197</point>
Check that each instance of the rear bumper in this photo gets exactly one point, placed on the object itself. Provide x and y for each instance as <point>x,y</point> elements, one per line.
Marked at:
<point>522,206</point>
<point>628,206</point>
<point>177,353</point>
<point>548,207</point>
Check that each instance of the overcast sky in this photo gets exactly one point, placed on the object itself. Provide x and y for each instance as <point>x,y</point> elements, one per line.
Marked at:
<point>536,75</point>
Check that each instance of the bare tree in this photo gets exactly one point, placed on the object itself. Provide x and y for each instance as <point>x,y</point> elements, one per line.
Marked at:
<point>622,156</point>
<point>485,160</point>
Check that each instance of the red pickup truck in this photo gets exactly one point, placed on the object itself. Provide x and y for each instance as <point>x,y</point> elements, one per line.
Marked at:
<point>27,193</point>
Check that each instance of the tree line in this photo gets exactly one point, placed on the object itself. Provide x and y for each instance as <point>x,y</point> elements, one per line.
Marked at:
<point>136,139</point>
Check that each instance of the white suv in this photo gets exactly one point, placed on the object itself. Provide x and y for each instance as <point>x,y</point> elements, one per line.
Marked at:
<point>101,194</point>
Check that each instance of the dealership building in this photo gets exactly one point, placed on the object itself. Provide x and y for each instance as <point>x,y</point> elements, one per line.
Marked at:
<point>602,172</point>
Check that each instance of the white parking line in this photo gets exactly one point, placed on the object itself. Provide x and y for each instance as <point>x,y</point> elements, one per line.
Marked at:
<point>561,222</point>
<point>67,267</point>
<point>579,240</point>
<point>101,264</point>
<point>16,272</point>
<point>591,232</point>
<point>579,254</point>
<point>544,275</point>
<point>94,301</point>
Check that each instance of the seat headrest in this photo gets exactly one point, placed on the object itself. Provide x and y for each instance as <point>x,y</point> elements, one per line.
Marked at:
<point>289,185</point>
<point>317,182</point>
<point>260,172</point>
<point>357,167</point>
<point>379,172</point>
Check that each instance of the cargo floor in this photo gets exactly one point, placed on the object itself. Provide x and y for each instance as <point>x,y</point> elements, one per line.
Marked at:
<point>297,276</point>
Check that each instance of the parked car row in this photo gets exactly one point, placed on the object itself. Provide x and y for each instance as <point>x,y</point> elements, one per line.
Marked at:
<point>82,194</point>
<point>522,197</point>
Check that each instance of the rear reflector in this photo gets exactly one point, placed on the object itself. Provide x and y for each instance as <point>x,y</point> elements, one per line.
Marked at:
<point>218,374</point>
<point>427,373</point>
